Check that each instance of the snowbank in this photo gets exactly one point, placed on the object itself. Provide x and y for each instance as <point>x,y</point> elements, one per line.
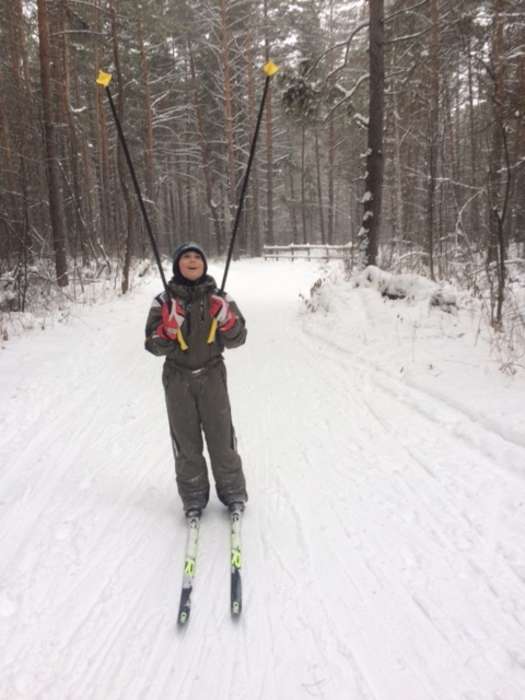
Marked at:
<point>44,304</point>
<point>394,325</point>
<point>407,286</point>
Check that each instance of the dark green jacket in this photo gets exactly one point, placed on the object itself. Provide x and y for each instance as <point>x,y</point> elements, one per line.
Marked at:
<point>195,328</point>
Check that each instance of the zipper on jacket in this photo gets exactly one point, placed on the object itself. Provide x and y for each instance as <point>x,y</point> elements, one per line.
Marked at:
<point>187,316</point>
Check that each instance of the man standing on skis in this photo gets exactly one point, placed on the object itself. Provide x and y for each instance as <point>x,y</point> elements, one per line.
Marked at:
<point>194,379</point>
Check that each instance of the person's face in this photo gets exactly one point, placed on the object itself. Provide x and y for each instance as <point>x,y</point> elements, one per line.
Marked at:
<point>191,265</point>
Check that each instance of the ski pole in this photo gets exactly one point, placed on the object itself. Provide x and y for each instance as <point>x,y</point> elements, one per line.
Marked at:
<point>104,79</point>
<point>270,70</point>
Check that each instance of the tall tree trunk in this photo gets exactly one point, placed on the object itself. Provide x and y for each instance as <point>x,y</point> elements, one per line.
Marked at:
<point>104,178</point>
<point>433,134</point>
<point>128,244</point>
<point>228,111</point>
<point>205,158</point>
<point>303,181</point>
<point>371,223</point>
<point>397,209</point>
<point>270,239</point>
<point>498,190</point>
<point>173,240</point>
<point>292,207</point>
<point>19,132</point>
<point>74,147</point>
<point>255,238</point>
<point>189,203</point>
<point>331,142</point>
<point>178,224</point>
<point>319,186</point>
<point>148,130</point>
<point>331,179</point>
<point>9,241</point>
<point>475,212</point>
<point>55,209</point>
<point>519,150</point>
<point>87,184</point>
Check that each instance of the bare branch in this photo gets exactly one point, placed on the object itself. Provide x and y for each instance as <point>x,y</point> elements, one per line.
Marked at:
<point>347,94</point>
<point>346,43</point>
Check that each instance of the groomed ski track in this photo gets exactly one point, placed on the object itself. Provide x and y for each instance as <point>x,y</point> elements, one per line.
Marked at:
<point>383,554</point>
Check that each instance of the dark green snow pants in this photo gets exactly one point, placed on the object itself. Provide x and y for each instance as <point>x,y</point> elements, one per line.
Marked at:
<point>198,402</point>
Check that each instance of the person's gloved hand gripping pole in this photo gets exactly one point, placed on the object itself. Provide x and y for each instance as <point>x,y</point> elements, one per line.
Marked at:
<point>221,311</point>
<point>172,320</point>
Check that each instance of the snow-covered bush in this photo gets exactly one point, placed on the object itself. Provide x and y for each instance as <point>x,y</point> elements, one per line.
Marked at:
<point>407,286</point>
<point>508,343</point>
<point>411,287</point>
<point>36,301</point>
<point>318,296</point>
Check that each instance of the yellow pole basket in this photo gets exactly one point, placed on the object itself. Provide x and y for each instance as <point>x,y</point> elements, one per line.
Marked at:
<point>103,79</point>
<point>270,68</point>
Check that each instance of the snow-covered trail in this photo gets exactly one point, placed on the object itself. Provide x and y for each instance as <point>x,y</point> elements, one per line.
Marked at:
<point>383,542</point>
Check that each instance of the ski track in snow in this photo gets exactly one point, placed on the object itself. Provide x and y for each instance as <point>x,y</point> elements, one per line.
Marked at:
<point>383,541</point>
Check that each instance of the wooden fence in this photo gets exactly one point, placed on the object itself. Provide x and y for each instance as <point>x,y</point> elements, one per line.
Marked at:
<point>307,252</point>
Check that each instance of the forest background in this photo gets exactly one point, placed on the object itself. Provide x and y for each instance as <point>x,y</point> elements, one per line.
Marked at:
<point>396,126</point>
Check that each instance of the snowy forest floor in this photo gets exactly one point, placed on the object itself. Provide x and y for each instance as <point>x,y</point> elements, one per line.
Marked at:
<point>384,554</point>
